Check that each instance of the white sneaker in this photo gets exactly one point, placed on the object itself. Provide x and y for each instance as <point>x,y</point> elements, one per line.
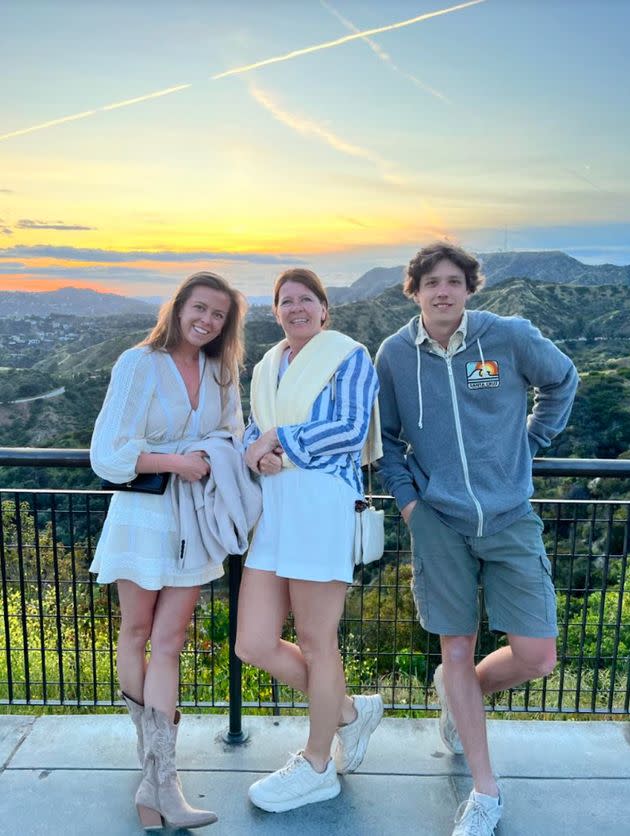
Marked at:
<point>296,784</point>
<point>476,818</point>
<point>353,739</point>
<point>448,729</point>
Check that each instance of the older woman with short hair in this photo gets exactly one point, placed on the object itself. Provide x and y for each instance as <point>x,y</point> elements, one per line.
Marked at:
<point>312,398</point>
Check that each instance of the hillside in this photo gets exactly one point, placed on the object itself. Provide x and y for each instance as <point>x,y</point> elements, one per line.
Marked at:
<point>369,285</point>
<point>546,267</point>
<point>561,311</point>
<point>46,343</point>
<point>70,300</point>
<point>72,361</point>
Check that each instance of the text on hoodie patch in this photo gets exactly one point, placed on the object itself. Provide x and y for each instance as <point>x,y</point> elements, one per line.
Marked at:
<point>482,375</point>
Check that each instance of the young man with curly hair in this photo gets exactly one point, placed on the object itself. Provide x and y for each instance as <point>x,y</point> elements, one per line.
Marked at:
<point>458,444</point>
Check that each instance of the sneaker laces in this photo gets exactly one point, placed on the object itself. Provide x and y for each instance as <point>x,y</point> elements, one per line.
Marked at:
<point>480,823</point>
<point>295,761</point>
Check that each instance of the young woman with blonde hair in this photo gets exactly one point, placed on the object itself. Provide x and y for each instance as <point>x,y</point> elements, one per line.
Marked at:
<point>171,390</point>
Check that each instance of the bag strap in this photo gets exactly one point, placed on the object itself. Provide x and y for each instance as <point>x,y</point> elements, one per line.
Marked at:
<point>367,504</point>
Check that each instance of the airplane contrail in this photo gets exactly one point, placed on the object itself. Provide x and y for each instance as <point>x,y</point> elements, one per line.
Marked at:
<point>365,33</point>
<point>49,124</point>
<point>383,55</point>
<point>296,53</point>
<point>159,93</point>
<point>167,91</point>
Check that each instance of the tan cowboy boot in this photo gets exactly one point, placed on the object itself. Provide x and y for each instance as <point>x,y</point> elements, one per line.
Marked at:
<point>159,795</point>
<point>135,712</point>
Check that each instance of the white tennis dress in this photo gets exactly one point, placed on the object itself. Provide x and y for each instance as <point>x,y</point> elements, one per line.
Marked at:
<point>145,410</point>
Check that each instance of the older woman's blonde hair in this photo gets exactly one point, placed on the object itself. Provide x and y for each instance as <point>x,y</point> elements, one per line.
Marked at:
<point>228,347</point>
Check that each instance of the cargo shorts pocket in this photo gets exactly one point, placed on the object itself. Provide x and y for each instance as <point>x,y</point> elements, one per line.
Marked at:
<point>549,591</point>
<point>419,588</point>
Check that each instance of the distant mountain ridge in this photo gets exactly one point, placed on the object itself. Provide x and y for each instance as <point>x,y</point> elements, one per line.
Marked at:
<point>70,300</point>
<point>549,267</point>
<point>554,267</point>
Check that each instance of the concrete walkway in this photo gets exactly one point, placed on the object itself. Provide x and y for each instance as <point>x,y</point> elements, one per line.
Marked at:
<point>76,776</point>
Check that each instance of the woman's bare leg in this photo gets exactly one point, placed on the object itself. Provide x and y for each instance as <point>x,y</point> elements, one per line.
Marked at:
<point>317,609</point>
<point>172,616</point>
<point>263,608</point>
<point>137,606</point>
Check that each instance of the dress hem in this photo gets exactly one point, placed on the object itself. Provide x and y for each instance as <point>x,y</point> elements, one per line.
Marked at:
<point>178,581</point>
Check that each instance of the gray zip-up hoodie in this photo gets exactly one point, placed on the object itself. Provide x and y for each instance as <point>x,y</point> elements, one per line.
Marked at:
<point>455,429</point>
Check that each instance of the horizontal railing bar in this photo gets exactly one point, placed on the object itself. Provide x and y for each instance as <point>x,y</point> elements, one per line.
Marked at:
<point>75,457</point>
<point>614,468</point>
<point>44,457</point>
<point>58,492</point>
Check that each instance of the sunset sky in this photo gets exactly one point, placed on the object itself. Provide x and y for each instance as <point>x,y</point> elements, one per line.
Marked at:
<point>139,144</point>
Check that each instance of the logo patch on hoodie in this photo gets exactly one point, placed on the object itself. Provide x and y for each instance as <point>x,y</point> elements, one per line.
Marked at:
<point>482,375</point>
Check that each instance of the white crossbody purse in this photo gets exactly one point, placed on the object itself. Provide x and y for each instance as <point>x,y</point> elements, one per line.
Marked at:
<point>369,527</point>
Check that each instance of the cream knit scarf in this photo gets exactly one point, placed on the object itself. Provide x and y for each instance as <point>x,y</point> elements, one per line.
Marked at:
<point>312,368</point>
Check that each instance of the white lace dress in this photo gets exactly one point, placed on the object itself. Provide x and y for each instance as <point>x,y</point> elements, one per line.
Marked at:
<point>145,410</point>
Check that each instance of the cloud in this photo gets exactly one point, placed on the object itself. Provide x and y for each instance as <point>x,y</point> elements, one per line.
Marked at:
<point>122,277</point>
<point>307,127</point>
<point>7,191</point>
<point>384,56</point>
<point>113,256</point>
<point>27,223</point>
<point>75,273</point>
<point>354,221</point>
<point>399,186</point>
<point>12,266</point>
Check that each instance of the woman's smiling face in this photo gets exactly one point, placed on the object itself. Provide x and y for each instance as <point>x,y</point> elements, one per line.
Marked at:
<point>300,313</point>
<point>203,316</point>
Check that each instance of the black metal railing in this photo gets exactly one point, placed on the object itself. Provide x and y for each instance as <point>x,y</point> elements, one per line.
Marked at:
<point>58,627</point>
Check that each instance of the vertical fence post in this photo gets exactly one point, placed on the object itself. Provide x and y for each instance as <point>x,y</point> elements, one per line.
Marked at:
<point>235,733</point>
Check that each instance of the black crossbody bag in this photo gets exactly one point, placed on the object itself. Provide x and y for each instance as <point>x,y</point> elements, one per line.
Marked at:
<point>143,483</point>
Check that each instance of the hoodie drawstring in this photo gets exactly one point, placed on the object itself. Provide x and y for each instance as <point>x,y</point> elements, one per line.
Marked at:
<point>420,405</point>
<point>483,362</point>
<point>419,376</point>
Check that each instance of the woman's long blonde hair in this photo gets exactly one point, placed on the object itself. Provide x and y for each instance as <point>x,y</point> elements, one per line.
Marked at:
<point>228,347</point>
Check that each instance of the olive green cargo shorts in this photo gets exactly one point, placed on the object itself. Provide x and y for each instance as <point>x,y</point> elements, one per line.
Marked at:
<point>511,566</point>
